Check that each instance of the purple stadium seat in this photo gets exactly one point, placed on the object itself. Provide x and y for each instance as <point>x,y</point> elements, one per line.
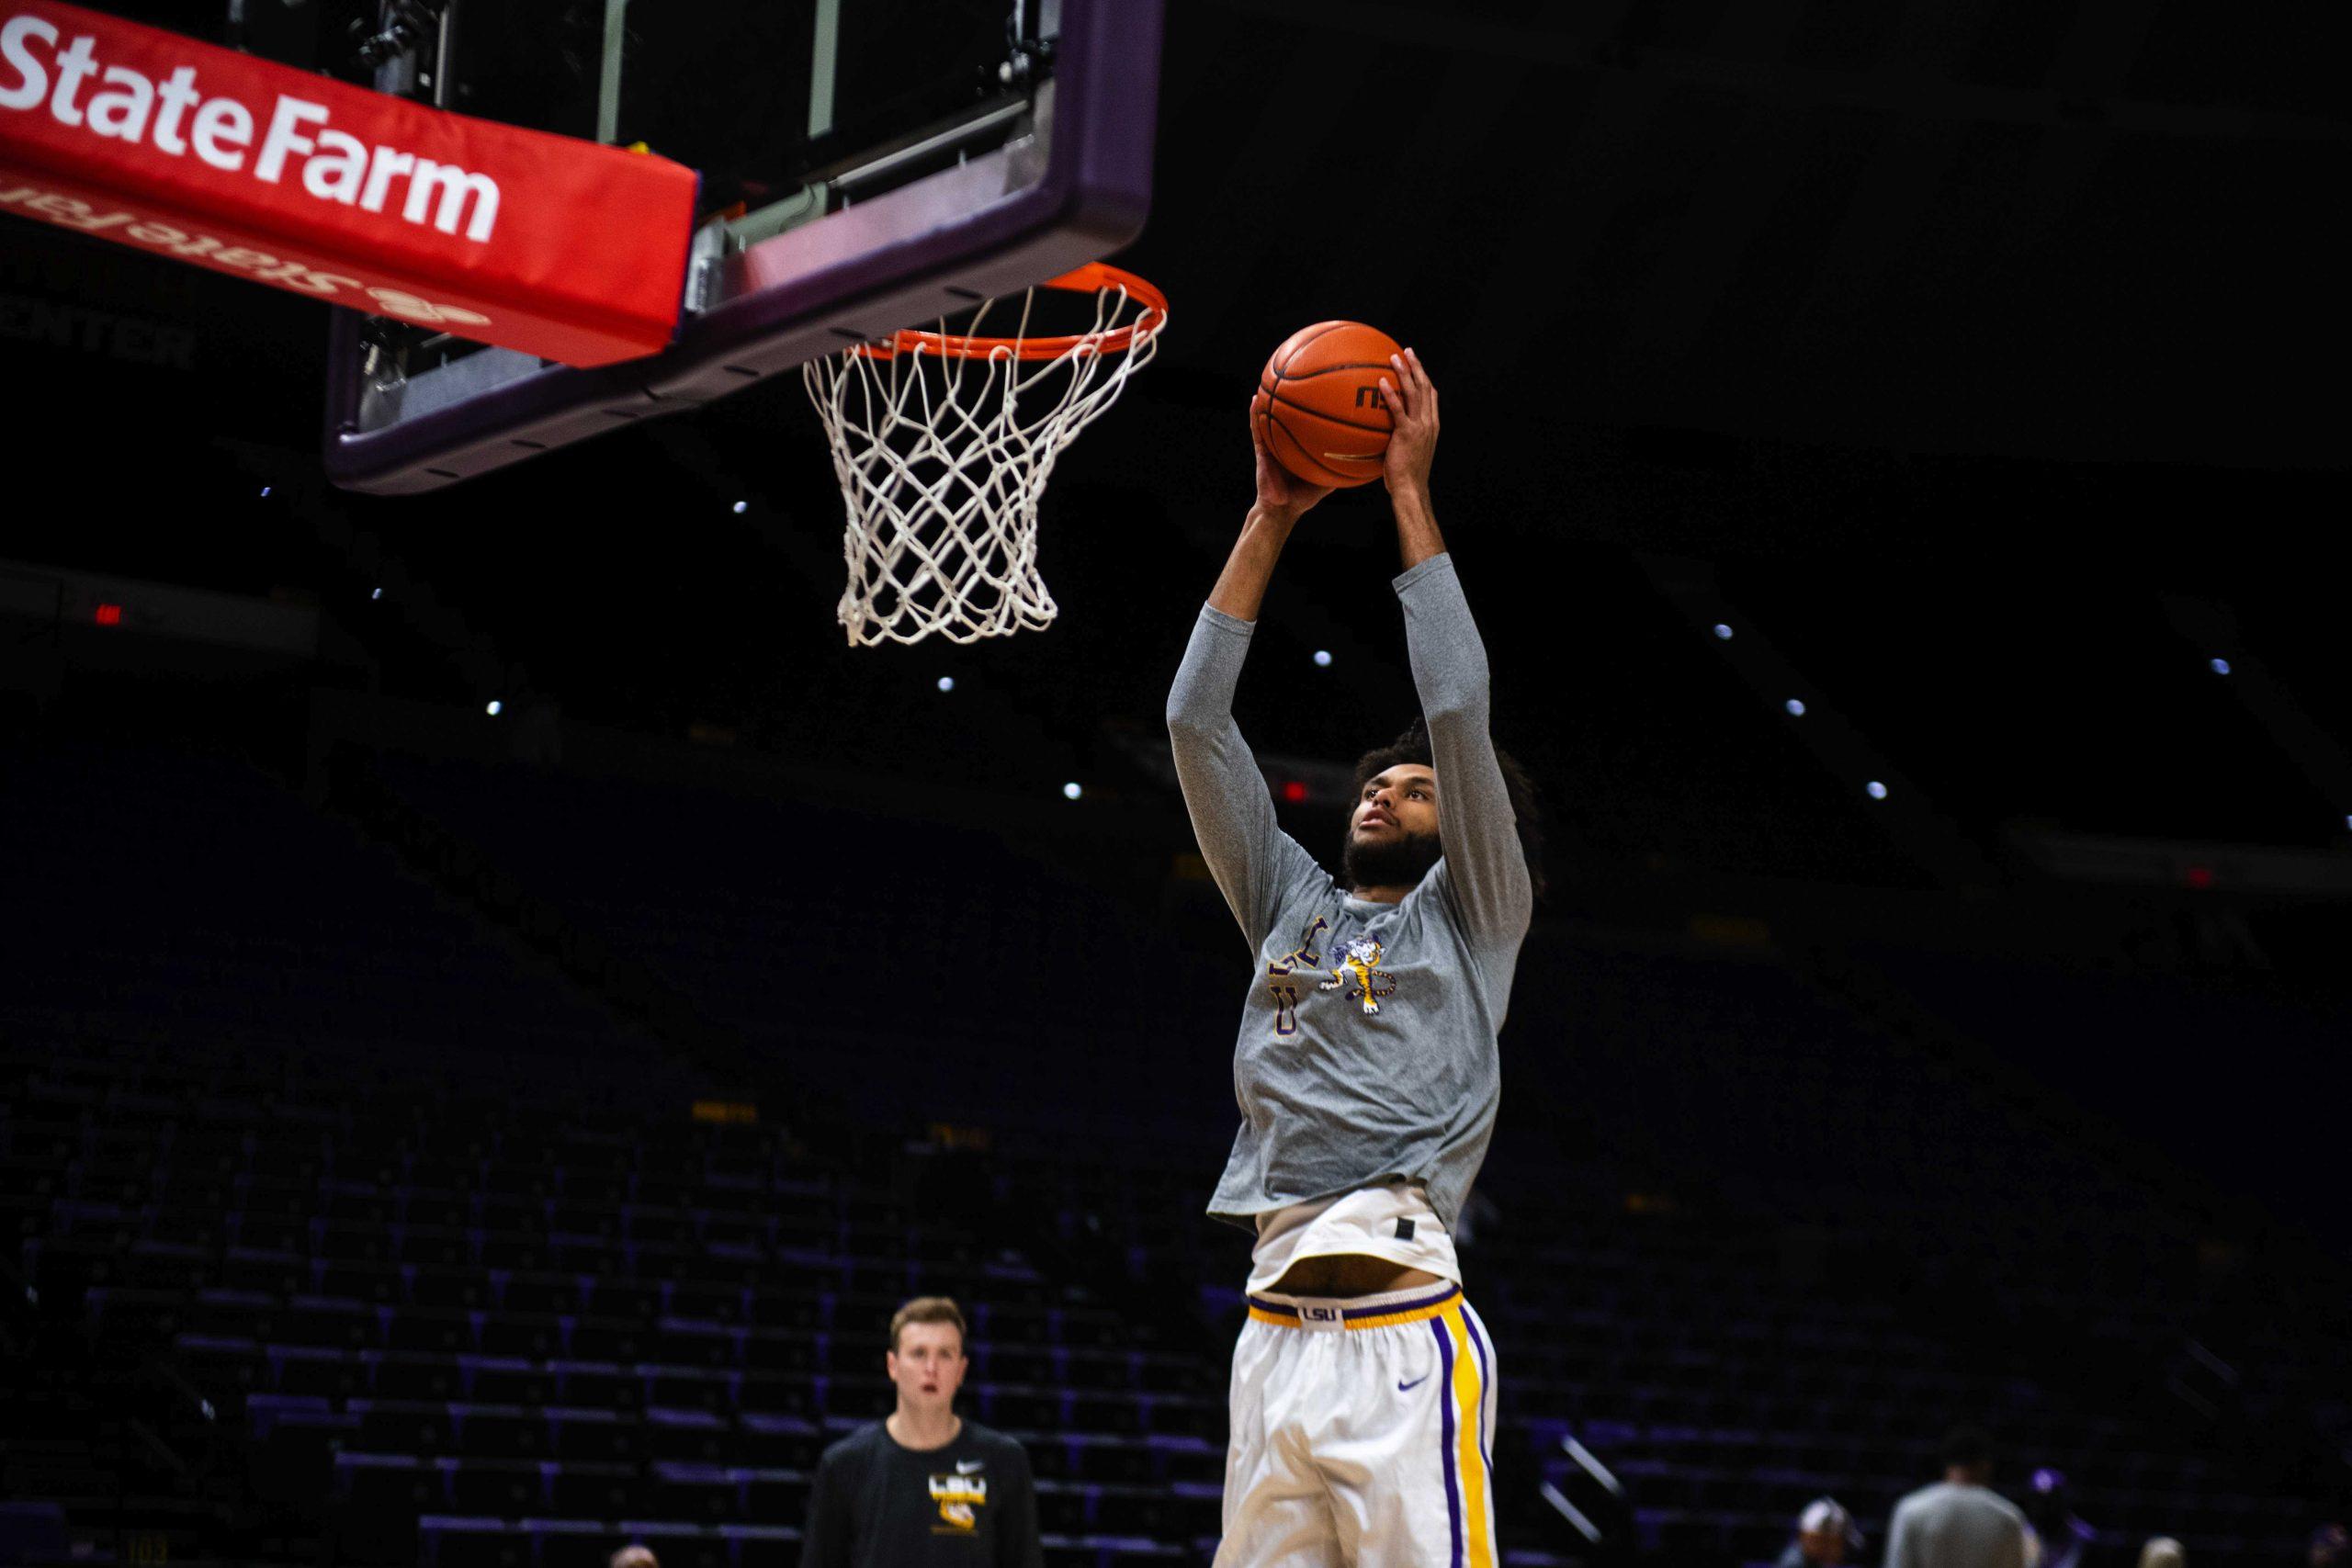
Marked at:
<point>534,1293</point>
<point>583,1489</point>
<point>602,1435</point>
<point>33,1532</point>
<point>762,1545</point>
<point>686,1436</point>
<point>506,1488</point>
<point>572,1542</point>
<point>779,1441</point>
<point>499,1431</point>
<point>455,1541</point>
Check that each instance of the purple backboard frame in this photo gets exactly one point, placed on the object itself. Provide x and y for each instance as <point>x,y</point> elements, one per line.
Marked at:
<point>847,278</point>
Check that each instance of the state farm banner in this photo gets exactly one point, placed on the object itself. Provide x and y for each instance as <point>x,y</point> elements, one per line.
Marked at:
<point>558,247</point>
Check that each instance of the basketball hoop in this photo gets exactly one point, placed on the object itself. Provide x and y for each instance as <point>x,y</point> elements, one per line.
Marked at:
<point>941,469</point>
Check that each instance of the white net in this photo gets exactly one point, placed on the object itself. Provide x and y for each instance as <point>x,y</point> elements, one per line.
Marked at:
<point>943,455</point>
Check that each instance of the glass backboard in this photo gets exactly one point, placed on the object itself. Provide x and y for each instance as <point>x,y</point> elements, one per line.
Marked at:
<point>865,165</point>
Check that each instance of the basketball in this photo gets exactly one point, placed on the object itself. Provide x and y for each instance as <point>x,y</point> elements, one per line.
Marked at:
<point>1319,407</point>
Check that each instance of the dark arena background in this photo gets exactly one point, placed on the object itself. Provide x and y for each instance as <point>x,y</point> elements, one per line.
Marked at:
<point>498,1003</point>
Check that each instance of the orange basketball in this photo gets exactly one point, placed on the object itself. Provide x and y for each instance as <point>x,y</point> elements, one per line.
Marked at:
<point>1319,407</point>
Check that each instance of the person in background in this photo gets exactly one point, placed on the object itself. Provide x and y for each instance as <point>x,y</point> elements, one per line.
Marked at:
<point>1826,1533</point>
<point>924,1488</point>
<point>635,1556</point>
<point>2163,1551</point>
<point>2060,1534</point>
<point>1960,1521</point>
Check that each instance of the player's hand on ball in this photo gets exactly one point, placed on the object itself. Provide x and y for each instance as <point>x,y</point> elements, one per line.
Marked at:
<point>1412,408</point>
<point>1282,496</point>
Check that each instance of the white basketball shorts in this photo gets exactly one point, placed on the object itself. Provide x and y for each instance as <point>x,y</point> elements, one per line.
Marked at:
<point>1363,1434</point>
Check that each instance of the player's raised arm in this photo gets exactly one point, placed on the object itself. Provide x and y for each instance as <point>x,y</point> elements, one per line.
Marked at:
<point>1232,815</point>
<point>1476,821</point>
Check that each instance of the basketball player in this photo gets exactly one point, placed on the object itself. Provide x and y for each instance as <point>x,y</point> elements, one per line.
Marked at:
<point>1363,1386</point>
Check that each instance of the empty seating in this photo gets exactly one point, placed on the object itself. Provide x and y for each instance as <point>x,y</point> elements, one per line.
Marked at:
<point>460,1312</point>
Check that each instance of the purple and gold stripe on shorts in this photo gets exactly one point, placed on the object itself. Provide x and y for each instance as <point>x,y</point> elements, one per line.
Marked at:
<point>1465,1366</point>
<point>1338,1313</point>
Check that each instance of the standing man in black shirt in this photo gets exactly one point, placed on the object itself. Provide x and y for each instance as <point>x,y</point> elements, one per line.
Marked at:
<point>924,1488</point>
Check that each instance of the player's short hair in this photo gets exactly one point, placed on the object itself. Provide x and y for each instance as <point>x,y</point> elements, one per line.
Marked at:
<point>1526,805</point>
<point>1969,1446</point>
<point>930,1308</point>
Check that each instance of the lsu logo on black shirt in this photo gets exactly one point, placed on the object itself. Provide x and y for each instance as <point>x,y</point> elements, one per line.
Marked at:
<point>960,1497</point>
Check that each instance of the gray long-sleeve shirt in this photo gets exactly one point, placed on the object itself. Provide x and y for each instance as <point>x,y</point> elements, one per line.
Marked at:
<point>1352,1068</point>
<point>1950,1526</point>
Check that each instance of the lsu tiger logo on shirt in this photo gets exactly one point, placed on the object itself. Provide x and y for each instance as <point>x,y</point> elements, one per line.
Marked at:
<point>960,1499</point>
<point>1358,973</point>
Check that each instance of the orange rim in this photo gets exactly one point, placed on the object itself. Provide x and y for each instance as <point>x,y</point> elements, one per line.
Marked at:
<point>1091,278</point>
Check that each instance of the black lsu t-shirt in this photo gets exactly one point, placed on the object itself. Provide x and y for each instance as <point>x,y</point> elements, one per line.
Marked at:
<point>876,1505</point>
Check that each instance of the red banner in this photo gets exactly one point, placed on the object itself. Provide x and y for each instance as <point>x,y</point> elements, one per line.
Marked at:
<point>558,247</point>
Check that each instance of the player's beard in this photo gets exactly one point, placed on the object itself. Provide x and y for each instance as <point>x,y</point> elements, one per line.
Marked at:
<point>1400,861</point>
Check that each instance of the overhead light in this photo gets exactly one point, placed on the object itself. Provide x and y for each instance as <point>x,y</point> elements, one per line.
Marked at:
<point>741,507</point>
<point>494,706</point>
<point>2218,666</point>
<point>1322,658</point>
<point>1795,706</point>
<point>1722,632</point>
<point>374,593</point>
<point>1071,792</point>
<point>948,683</point>
<point>1875,790</point>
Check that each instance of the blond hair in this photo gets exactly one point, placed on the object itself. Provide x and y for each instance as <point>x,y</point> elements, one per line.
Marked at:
<point>930,1308</point>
